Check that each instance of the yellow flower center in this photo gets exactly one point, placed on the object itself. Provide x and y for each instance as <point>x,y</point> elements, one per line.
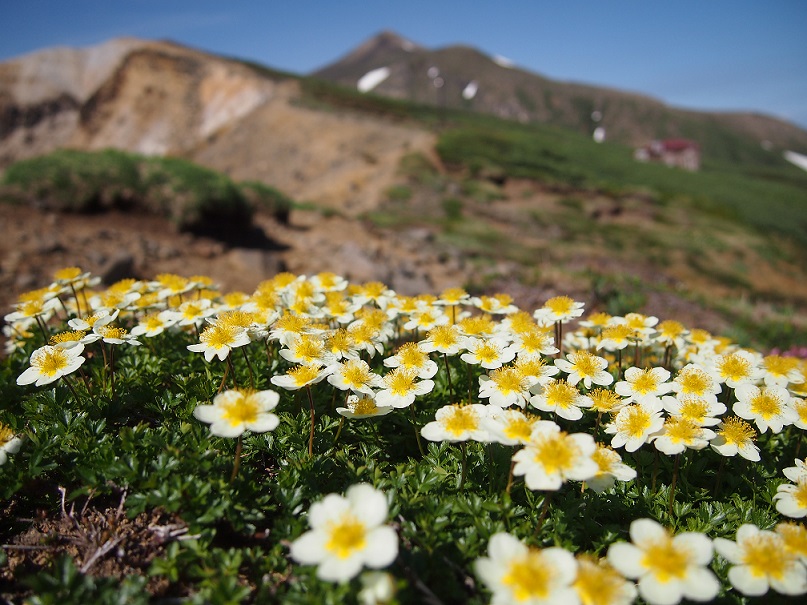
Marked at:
<point>519,428</point>
<point>561,394</point>
<point>113,332</point>
<point>242,410</point>
<point>734,367</point>
<point>604,400</point>
<point>460,420</point>
<point>364,406</point>
<point>487,352</point>
<point>400,381</point>
<point>800,493</point>
<point>153,322</point>
<point>556,453</point>
<point>666,560</point>
<point>52,361</point>
<point>618,333</point>
<point>534,340</point>
<point>374,289</point>
<point>794,536</point>
<point>302,375</point>
<point>289,322</point>
<point>605,458</point>
<point>737,431</point>
<point>281,280</point>
<point>766,405</point>
<point>238,319</point>
<point>508,380</point>
<point>766,556</point>
<point>340,341</point>
<point>478,325</point>
<point>191,311</point>
<point>309,348</point>
<point>645,383</point>
<point>411,356</point>
<point>356,374</point>
<point>219,336</point>
<point>670,329</point>
<point>585,364</point>
<point>681,430</point>
<point>444,337</point>
<point>635,421</point>
<point>780,366</point>
<point>530,367</point>
<point>453,295</point>
<point>560,305</point>
<point>346,536</point>
<point>327,279</point>
<point>67,273</point>
<point>123,286</point>
<point>597,583</point>
<point>65,337</point>
<point>529,577</point>
<point>6,434</point>
<point>694,408</point>
<point>694,382</point>
<point>32,307</point>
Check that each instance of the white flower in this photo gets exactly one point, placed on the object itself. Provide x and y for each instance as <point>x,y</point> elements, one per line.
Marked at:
<point>768,406</point>
<point>644,385</point>
<point>735,436</point>
<point>354,374</point>
<point>668,568</point>
<point>509,426</point>
<point>457,422</point>
<point>490,353</point>
<point>299,376</point>
<point>679,434</point>
<point>737,368</point>
<point>239,410</point>
<point>700,410</point>
<point>791,498</point>
<point>9,443</point>
<point>560,397</point>
<point>761,561</point>
<point>412,357</point>
<point>347,533</point>
<point>610,468</point>
<point>401,387</point>
<point>558,308</point>
<point>155,324</point>
<point>362,407</point>
<point>516,573</point>
<point>582,365</point>
<point>598,583</point>
<point>504,387</point>
<point>50,363</point>
<point>444,339</point>
<point>377,588</point>
<point>218,339</point>
<point>553,456</point>
<point>307,349</point>
<point>633,426</point>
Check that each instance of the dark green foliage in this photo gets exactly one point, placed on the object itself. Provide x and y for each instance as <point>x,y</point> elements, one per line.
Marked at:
<point>192,197</point>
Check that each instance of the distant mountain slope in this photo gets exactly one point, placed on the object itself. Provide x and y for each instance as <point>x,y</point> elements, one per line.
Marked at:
<point>460,76</point>
<point>160,98</point>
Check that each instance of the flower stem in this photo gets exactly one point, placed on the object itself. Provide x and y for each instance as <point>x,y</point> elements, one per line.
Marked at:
<point>339,430</point>
<point>673,482</point>
<point>249,367</point>
<point>72,388</point>
<point>237,462</point>
<point>510,477</point>
<point>544,510</point>
<point>223,379</point>
<point>464,472</point>
<point>313,418</point>
<point>448,376</point>
<point>417,433</point>
<point>232,370</point>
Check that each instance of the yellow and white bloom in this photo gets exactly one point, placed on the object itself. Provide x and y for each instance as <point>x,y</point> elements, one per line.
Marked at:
<point>692,380</point>
<point>633,426</point>
<point>347,533</point>
<point>504,387</point>
<point>239,410</point>
<point>49,363</point>
<point>490,353</point>
<point>560,397</point>
<point>457,422</point>
<point>668,568</point>
<point>299,377</point>
<point>679,434</point>
<point>760,561</point>
<point>795,538</point>
<point>735,436</point>
<point>610,468</point>
<point>582,365</point>
<point>218,339</point>
<point>362,407</point>
<point>767,406</point>
<point>791,498</point>
<point>356,375</point>
<point>737,367</point>
<point>444,339</point>
<point>412,357</point>
<point>644,386</point>
<point>552,457</point>
<point>154,324</point>
<point>598,583</point>
<point>400,387</point>
<point>9,443</point>
<point>701,411</point>
<point>516,573</point>
<point>509,426</point>
<point>558,309</point>
<point>781,371</point>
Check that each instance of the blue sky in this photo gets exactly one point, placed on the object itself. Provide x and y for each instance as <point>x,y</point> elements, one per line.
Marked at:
<point>698,54</point>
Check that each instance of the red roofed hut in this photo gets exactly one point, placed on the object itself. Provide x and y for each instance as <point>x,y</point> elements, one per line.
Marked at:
<point>680,153</point>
